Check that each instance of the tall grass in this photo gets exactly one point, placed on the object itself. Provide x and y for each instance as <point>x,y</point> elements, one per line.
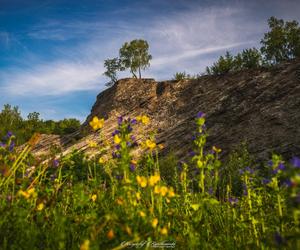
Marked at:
<point>117,201</point>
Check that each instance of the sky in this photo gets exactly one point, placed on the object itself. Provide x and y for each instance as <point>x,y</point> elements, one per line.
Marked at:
<point>52,51</point>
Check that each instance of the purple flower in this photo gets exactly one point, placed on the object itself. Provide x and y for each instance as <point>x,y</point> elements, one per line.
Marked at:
<point>200,114</point>
<point>192,153</point>
<point>233,200</point>
<point>249,170</point>
<point>288,183</point>
<point>11,146</point>
<point>118,146</point>
<point>265,181</point>
<point>116,132</point>
<point>245,190</point>
<point>132,167</point>
<point>55,163</point>
<point>295,162</point>
<point>241,171</point>
<point>133,121</point>
<point>281,166</point>
<point>128,144</point>
<point>270,163</point>
<point>116,155</point>
<point>2,145</point>
<point>9,134</point>
<point>129,128</point>
<point>120,120</point>
<point>194,138</point>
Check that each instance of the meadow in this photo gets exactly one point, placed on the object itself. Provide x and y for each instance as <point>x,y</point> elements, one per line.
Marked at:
<point>116,200</point>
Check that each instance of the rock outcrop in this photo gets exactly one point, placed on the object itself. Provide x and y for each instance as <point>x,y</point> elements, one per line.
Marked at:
<point>260,107</point>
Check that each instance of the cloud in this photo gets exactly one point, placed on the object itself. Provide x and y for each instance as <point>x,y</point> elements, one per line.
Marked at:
<point>52,79</point>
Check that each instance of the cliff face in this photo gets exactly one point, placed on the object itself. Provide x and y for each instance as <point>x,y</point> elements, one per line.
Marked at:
<point>259,107</point>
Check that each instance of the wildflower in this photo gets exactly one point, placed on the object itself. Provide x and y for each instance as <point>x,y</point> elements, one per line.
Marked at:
<point>144,119</point>
<point>163,190</point>
<point>154,222</point>
<point>94,197</point>
<point>266,181</point>
<point>200,114</point>
<point>110,235</point>
<point>93,144</point>
<point>295,162</point>
<point>40,207</point>
<point>171,192</point>
<point>97,123</point>
<point>132,167</point>
<point>133,121</point>
<point>154,179</point>
<point>85,245</point>
<point>11,146</point>
<point>142,181</point>
<point>101,160</point>
<point>164,231</point>
<point>192,153</point>
<point>142,214</point>
<point>9,134</point>
<point>233,200</point>
<point>2,145</point>
<point>55,163</point>
<point>156,189</point>
<point>150,144</point>
<point>120,120</point>
<point>27,194</point>
<point>117,139</point>
<point>116,155</point>
<point>138,195</point>
<point>217,150</point>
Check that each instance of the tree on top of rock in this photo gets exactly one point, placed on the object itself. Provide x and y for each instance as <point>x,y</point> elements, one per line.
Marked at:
<point>135,56</point>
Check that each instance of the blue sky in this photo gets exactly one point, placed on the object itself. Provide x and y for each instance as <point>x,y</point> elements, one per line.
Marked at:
<point>52,51</point>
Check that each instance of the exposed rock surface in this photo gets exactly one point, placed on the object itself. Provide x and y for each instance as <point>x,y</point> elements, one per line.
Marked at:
<point>259,107</point>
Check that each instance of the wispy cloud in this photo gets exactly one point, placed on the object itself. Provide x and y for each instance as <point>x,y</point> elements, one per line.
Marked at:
<point>52,79</point>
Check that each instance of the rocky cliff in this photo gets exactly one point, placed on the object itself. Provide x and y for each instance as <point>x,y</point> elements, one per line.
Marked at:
<point>260,107</point>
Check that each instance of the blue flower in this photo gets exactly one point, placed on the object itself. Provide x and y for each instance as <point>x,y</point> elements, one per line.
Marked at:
<point>2,145</point>
<point>132,167</point>
<point>55,163</point>
<point>270,163</point>
<point>133,121</point>
<point>200,114</point>
<point>266,181</point>
<point>116,132</point>
<point>295,162</point>
<point>11,146</point>
<point>9,134</point>
<point>120,120</point>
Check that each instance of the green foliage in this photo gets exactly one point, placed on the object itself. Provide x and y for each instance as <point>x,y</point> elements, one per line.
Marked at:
<point>247,59</point>
<point>181,76</point>
<point>112,67</point>
<point>135,56</point>
<point>23,129</point>
<point>282,42</point>
<point>101,202</point>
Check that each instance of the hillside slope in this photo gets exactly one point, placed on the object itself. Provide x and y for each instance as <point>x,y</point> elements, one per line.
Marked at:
<point>259,107</point>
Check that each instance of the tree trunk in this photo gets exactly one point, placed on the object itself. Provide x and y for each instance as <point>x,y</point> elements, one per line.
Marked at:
<point>140,73</point>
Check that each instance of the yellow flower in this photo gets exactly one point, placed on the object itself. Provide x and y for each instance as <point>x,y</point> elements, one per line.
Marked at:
<point>154,222</point>
<point>96,123</point>
<point>138,195</point>
<point>142,214</point>
<point>117,139</point>
<point>110,235</point>
<point>150,144</point>
<point>217,150</point>
<point>154,179</point>
<point>85,245</point>
<point>164,231</point>
<point>144,119</point>
<point>156,189</point>
<point>142,181</point>
<point>93,144</point>
<point>163,190</point>
<point>27,194</point>
<point>94,197</point>
<point>40,207</point>
<point>133,162</point>
<point>171,192</point>
<point>101,160</point>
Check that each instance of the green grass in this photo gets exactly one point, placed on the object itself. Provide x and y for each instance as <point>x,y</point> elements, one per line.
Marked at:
<point>76,202</point>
